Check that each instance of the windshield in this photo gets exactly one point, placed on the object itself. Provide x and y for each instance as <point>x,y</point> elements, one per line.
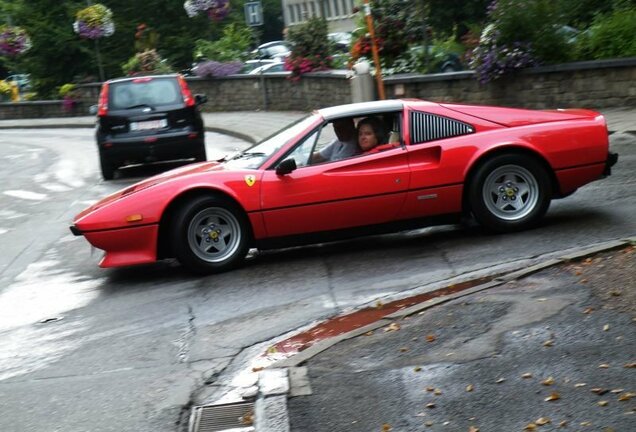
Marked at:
<point>257,155</point>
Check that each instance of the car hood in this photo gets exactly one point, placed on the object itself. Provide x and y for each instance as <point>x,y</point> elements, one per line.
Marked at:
<point>168,176</point>
<point>512,117</point>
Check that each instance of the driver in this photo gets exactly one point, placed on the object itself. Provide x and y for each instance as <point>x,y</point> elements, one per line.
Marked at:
<point>344,146</point>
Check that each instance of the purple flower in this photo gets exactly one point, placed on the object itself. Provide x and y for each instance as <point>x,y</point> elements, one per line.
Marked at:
<point>217,69</point>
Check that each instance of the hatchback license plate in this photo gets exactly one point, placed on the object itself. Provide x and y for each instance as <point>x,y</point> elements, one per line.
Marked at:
<point>146,125</point>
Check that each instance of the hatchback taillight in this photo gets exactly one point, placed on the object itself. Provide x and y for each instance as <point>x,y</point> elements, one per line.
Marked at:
<point>102,107</point>
<point>188,99</point>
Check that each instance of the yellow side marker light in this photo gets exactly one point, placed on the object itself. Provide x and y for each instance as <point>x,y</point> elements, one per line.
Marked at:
<point>134,218</point>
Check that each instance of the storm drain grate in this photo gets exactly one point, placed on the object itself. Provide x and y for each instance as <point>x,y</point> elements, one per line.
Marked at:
<point>237,416</point>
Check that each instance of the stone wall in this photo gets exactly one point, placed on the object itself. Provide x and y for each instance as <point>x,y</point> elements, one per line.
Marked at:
<point>594,84</point>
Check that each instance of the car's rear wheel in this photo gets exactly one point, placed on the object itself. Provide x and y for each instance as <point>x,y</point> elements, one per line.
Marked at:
<point>108,172</point>
<point>201,155</point>
<point>510,192</point>
<point>210,234</point>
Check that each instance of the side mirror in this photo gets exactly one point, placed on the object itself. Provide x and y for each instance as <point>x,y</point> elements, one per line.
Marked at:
<point>200,99</point>
<point>92,110</point>
<point>286,166</point>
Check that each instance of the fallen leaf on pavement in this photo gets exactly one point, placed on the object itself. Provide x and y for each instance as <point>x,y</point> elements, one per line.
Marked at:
<point>437,392</point>
<point>430,405</point>
<point>430,389</point>
<point>548,381</point>
<point>542,421</point>
<point>417,369</point>
<point>606,327</point>
<point>386,427</point>
<point>626,396</point>
<point>257,368</point>
<point>369,333</point>
<point>526,375</point>
<point>379,305</point>
<point>599,391</point>
<point>530,427</point>
<point>563,424</point>
<point>392,327</point>
<point>616,391</point>
<point>429,423</point>
<point>470,388</point>
<point>602,403</point>
<point>585,423</point>
<point>247,419</point>
<point>473,429</point>
<point>615,293</point>
<point>500,380</point>
<point>272,350</point>
<point>548,343</point>
<point>404,349</point>
<point>430,338</point>
<point>580,385</point>
<point>588,310</point>
<point>630,365</point>
<point>553,396</point>
<point>603,366</point>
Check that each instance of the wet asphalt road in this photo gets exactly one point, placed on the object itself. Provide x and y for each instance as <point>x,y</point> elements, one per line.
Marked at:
<point>126,349</point>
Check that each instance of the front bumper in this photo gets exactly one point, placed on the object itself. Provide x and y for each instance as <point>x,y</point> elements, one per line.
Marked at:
<point>612,158</point>
<point>124,246</point>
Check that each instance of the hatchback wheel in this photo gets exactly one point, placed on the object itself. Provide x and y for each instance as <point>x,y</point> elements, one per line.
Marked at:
<point>108,172</point>
<point>210,234</point>
<point>510,192</point>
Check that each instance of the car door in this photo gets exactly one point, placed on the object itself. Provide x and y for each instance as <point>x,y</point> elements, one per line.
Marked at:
<point>361,190</point>
<point>438,147</point>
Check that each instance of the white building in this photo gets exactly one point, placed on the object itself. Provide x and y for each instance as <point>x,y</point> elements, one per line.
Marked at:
<point>338,13</point>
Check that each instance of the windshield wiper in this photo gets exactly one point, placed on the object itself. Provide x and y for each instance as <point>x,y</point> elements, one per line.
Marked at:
<point>248,155</point>
<point>140,106</point>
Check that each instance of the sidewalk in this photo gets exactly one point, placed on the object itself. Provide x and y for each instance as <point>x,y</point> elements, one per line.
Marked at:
<point>251,126</point>
<point>552,351</point>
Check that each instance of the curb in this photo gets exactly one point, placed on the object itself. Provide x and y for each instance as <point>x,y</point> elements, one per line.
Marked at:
<point>272,415</point>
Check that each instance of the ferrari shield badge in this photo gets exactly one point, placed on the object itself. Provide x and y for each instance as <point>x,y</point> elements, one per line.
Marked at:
<point>250,180</point>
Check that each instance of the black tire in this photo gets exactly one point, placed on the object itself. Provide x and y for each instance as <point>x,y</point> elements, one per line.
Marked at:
<point>210,234</point>
<point>509,192</point>
<point>201,155</point>
<point>108,172</point>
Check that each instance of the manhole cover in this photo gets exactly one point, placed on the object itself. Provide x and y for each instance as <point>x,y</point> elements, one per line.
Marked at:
<point>237,417</point>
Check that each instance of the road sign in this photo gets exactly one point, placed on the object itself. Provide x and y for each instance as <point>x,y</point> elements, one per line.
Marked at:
<point>254,13</point>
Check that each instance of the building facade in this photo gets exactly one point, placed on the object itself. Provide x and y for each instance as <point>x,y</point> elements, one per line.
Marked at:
<point>338,13</point>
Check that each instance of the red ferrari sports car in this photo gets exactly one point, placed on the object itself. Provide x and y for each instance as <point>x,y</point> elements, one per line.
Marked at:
<point>502,165</point>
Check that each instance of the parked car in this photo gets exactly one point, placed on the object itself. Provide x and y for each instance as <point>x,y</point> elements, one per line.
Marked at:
<point>341,41</point>
<point>272,50</point>
<point>148,119</point>
<point>269,68</point>
<point>250,65</point>
<point>502,165</point>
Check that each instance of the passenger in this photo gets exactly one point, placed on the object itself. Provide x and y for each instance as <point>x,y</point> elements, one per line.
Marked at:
<point>372,137</point>
<point>343,147</point>
<point>370,134</point>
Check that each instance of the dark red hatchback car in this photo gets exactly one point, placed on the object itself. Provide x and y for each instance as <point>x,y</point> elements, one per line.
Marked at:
<point>148,119</point>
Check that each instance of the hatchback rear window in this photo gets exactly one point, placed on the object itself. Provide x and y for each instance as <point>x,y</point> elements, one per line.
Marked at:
<point>144,92</point>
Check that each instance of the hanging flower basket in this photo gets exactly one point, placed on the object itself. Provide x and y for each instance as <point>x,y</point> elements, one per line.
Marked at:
<point>13,41</point>
<point>216,10</point>
<point>94,22</point>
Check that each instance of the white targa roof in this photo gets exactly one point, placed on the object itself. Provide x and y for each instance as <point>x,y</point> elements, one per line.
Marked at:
<point>360,109</point>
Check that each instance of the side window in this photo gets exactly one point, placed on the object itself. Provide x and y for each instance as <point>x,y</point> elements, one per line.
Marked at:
<point>429,127</point>
<point>302,152</point>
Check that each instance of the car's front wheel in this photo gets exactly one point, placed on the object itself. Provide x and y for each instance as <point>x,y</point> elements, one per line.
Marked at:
<point>210,234</point>
<point>510,192</point>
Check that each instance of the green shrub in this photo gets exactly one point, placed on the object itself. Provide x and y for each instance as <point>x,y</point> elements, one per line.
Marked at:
<point>611,35</point>
<point>311,48</point>
<point>233,45</point>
